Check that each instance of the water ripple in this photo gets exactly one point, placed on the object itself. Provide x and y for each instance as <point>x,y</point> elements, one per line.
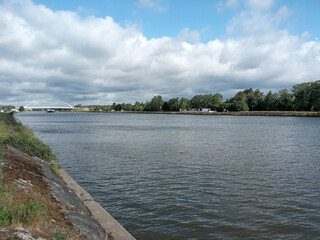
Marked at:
<point>194,177</point>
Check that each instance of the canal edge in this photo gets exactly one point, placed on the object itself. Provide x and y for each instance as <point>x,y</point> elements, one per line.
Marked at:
<point>112,227</point>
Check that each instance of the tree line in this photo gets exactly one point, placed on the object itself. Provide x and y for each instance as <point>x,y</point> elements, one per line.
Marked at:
<point>303,97</point>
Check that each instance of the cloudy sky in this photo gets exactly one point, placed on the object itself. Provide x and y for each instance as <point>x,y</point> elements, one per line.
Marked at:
<point>104,51</point>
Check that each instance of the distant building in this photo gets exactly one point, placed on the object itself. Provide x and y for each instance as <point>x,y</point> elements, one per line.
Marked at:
<point>205,109</point>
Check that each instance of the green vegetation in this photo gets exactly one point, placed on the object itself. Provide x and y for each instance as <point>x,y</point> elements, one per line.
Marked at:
<point>21,213</point>
<point>58,236</point>
<point>1,153</point>
<point>55,168</point>
<point>68,206</point>
<point>17,135</point>
<point>302,97</point>
<point>18,213</point>
<point>21,108</point>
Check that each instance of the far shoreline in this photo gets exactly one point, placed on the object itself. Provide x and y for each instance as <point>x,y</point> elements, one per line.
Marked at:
<point>242,113</point>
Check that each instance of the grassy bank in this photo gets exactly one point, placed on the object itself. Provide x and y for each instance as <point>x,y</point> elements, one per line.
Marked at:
<point>12,213</point>
<point>15,134</point>
<point>21,137</point>
<point>26,199</point>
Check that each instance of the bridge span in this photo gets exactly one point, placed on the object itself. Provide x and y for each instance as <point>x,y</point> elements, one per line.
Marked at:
<point>48,104</point>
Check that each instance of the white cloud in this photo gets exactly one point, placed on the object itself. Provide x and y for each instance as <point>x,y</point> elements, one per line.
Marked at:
<point>283,13</point>
<point>259,5</point>
<point>255,5</point>
<point>152,4</point>
<point>233,4</point>
<point>47,54</point>
<point>229,4</point>
<point>189,36</point>
<point>147,3</point>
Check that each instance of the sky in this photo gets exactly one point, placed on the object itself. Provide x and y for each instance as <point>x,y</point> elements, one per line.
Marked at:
<point>105,51</point>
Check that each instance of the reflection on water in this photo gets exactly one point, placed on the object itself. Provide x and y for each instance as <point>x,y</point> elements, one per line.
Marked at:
<point>194,177</point>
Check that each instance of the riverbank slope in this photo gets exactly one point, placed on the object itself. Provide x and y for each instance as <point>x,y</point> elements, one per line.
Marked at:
<point>40,201</point>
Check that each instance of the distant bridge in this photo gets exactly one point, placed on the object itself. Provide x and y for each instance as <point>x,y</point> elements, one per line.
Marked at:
<point>48,104</point>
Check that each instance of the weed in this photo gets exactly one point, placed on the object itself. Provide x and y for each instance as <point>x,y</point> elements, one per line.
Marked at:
<point>5,216</point>
<point>82,209</point>
<point>1,176</point>
<point>58,236</point>
<point>55,168</point>
<point>68,206</point>
<point>30,212</point>
<point>21,213</point>
<point>3,188</point>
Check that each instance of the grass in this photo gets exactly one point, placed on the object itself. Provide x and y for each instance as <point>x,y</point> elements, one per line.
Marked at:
<point>30,212</point>
<point>26,208</point>
<point>21,137</point>
<point>58,236</point>
<point>15,134</point>
<point>21,213</point>
<point>1,154</point>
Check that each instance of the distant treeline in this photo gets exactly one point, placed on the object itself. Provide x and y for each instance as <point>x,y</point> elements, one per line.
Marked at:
<point>303,97</point>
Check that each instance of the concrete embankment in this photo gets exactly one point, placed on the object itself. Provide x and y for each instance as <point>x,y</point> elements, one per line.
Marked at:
<point>71,211</point>
<point>113,229</point>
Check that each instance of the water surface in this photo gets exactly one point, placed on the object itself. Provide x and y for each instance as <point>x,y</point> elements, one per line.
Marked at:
<point>193,177</point>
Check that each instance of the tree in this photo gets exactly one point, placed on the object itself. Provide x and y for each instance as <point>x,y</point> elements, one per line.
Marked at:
<point>285,100</point>
<point>156,103</point>
<point>302,94</point>
<point>21,108</point>
<point>254,99</point>
<point>215,101</point>
<point>238,102</point>
<point>138,107</point>
<point>165,106</point>
<point>270,102</point>
<point>307,96</point>
<point>315,96</point>
<point>259,98</point>
<point>126,107</point>
<point>174,104</point>
<point>10,107</point>
<point>184,103</point>
<point>197,102</point>
<point>118,107</point>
